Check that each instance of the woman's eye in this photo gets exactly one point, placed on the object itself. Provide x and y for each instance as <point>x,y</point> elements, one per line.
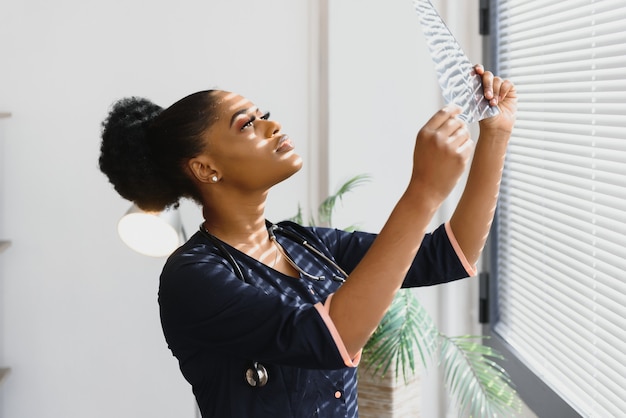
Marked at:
<point>249,123</point>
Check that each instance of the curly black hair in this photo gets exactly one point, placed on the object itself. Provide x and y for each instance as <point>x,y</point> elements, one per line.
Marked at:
<point>144,148</point>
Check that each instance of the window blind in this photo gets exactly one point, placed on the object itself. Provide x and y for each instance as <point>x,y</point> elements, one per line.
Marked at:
<point>561,244</point>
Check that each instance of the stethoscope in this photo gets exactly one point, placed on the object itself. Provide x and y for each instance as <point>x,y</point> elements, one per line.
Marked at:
<point>256,375</point>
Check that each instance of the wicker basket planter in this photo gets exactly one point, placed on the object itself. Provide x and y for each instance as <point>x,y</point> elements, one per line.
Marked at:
<point>388,396</point>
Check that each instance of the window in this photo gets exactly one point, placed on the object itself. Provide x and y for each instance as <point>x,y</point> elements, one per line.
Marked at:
<point>559,249</point>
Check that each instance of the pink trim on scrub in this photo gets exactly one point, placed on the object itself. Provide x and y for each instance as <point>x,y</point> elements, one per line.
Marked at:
<point>471,270</point>
<point>324,309</point>
<point>324,313</point>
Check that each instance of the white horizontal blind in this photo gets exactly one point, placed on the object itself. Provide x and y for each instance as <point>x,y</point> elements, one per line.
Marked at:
<point>561,263</point>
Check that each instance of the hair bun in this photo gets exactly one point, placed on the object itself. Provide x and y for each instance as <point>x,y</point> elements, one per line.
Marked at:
<point>133,111</point>
<point>125,155</point>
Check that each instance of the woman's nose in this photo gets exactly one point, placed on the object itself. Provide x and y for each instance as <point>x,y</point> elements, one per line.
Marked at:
<point>272,127</point>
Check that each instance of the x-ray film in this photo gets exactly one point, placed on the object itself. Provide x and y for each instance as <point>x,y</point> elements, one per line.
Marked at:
<point>458,81</point>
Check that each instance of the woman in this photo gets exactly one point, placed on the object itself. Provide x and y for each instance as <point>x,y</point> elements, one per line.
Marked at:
<point>269,320</point>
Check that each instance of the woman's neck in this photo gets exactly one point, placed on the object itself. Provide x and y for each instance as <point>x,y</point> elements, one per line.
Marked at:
<point>242,226</point>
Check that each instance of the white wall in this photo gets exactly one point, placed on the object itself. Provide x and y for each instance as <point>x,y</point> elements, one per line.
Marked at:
<point>78,314</point>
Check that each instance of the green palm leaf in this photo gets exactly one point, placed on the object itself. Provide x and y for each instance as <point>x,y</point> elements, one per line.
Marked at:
<point>478,384</point>
<point>406,329</point>
<point>327,207</point>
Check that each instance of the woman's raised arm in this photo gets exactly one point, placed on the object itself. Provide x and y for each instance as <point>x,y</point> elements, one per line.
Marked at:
<point>473,216</point>
<point>442,149</point>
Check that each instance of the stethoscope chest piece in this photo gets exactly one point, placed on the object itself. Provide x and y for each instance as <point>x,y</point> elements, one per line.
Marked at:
<point>257,376</point>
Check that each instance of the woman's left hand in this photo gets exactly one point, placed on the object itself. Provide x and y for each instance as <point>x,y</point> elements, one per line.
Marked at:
<point>499,93</point>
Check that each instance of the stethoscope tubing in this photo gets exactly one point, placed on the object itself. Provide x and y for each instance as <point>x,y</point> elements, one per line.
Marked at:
<point>272,229</point>
<point>257,375</point>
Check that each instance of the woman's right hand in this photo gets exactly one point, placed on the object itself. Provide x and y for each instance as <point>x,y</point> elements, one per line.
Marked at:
<point>442,150</point>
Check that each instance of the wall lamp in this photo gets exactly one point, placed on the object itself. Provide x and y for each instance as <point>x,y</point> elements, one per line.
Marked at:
<point>155,234</point>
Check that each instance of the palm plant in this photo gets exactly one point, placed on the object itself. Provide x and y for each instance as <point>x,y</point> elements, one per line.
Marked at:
<point>327,207</point>
<point>477,383</point>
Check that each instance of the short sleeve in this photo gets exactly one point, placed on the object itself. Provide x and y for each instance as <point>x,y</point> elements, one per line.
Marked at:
<point>438,260</point>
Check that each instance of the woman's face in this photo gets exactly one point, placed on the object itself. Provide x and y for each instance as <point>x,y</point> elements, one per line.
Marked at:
<point>247,148</point>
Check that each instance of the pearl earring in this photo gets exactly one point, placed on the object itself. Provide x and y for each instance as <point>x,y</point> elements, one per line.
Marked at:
<point>214,179</point>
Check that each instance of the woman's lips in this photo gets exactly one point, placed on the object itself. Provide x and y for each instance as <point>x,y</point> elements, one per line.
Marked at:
<point>284,144</point>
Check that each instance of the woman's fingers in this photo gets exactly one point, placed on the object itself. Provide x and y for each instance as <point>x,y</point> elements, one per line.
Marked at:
<point>445,118</point>
<point>505,87</point>
<point>464,144</point>
<point>491,84</point>
<point>443,147</point>
<point>445,126</point>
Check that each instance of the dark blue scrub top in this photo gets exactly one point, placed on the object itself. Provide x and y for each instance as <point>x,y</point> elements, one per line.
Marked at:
<point>215,324</point>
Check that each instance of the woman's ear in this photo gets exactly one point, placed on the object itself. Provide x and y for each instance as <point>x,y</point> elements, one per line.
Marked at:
<point>202,169</point>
